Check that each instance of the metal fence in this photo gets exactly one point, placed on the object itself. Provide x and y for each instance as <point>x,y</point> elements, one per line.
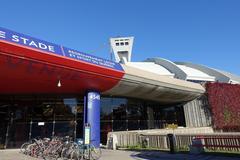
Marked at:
<point>154,141</point>
<point>213,141</point>
<point>220,142</point>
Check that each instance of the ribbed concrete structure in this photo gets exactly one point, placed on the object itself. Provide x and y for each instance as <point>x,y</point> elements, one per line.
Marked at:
<point>138,83</point>
<point>190,71</point>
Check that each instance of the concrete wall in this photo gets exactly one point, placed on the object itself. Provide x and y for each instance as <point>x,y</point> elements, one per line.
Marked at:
<point>157,137</point>
<point>197,113</point>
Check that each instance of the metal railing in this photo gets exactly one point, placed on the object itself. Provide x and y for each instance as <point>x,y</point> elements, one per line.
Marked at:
<point>220,142</point>
<point>212,141</point>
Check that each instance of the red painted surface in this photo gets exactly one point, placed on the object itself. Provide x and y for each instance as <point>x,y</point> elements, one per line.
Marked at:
<point>23,70</point>
<point>214,142</point>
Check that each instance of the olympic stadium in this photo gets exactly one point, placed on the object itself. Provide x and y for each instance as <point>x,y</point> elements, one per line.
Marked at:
<point>51,90</point>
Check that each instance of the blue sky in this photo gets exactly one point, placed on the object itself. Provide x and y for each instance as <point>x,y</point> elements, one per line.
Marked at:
<point>199,31</point>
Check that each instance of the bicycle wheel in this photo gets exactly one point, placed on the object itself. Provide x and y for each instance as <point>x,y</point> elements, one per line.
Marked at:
<point>76,155</point>
<point>86,153</point>
<point>65,153</point>
<point>95,153</point>
<point>24,147</point>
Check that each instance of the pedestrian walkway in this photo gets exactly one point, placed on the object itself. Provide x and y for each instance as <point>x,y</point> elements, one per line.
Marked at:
<point>166,156</point>
<point>13,154</point>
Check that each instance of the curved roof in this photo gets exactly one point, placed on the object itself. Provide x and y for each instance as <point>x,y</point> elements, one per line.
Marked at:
<point>233,78</point>
<point>151,67</point>
<point>138,83</point>
<point>210,71</point>
<point>172,67</point>
<point>165,81</point>
<point>195,72</point>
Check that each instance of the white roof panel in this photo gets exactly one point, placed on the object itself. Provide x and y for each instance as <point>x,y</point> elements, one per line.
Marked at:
<point>194,74</point>
<point>151,67</point>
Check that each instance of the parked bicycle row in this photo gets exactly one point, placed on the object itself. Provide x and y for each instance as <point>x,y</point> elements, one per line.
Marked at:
<point>60,148</point>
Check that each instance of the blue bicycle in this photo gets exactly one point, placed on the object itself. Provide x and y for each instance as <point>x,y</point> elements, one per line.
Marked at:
<point>85,151</point>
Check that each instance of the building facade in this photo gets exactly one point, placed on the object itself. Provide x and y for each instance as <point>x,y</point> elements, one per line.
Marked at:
<point>24,117</point>
<point>51,90</point>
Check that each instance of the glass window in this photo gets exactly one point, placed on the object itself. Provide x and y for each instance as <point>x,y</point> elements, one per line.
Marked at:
<point>25,117</point>
<point>135,110</point>
<point>43,112</point>
<point>106,108</point>
<point>66,109</point>
<point>143,124</point>
<point>119,109</point>
<point>44,129</point>
<point>64,128</point>
<point>119,125</point>
<point>79,119</point>
<point>106,126</point>
<point>133,124</point>
<point>119,113</point>
<point>3,122</point>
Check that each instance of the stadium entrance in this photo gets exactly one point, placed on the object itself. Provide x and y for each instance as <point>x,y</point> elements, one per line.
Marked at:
<point>26,117</point>
<point>51,90</point>
<point>23,117</point>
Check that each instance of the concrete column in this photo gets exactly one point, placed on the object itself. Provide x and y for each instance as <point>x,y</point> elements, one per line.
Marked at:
<point>92,116</point>
<point>150,118</point>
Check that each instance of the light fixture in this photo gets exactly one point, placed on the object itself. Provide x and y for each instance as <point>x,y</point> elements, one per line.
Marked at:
<point>59,83</point>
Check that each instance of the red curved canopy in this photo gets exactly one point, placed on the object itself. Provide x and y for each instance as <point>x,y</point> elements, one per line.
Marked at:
<point>27,70</point>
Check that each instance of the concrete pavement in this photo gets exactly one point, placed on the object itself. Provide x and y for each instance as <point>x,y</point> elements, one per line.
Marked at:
<point>13,154</point>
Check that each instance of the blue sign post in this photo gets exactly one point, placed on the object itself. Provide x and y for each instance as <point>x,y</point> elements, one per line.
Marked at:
<point>92,117</point>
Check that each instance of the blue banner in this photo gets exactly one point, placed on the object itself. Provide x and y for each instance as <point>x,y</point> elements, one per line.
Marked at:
<point>28,41</point>
<point>90,59</point>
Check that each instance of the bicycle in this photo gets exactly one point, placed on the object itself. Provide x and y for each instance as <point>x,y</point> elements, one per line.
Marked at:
<point>85,151</point>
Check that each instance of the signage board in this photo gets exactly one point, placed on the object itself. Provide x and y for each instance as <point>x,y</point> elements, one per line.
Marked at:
<point>87,134</point>
<point>33,43</point>
<point>41,123</point>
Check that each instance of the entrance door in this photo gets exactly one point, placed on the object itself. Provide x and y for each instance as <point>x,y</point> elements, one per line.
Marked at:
<point>18,124</point>
<point>65,117</point>
<point>3,124</point>
<point>57,117</point>
<point>68,118</point>
<point>42,120</point>
<point>14,121</point>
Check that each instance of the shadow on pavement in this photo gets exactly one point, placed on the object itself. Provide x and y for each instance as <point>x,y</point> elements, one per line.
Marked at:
<point>158,155</point>
<point>154,155</point>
